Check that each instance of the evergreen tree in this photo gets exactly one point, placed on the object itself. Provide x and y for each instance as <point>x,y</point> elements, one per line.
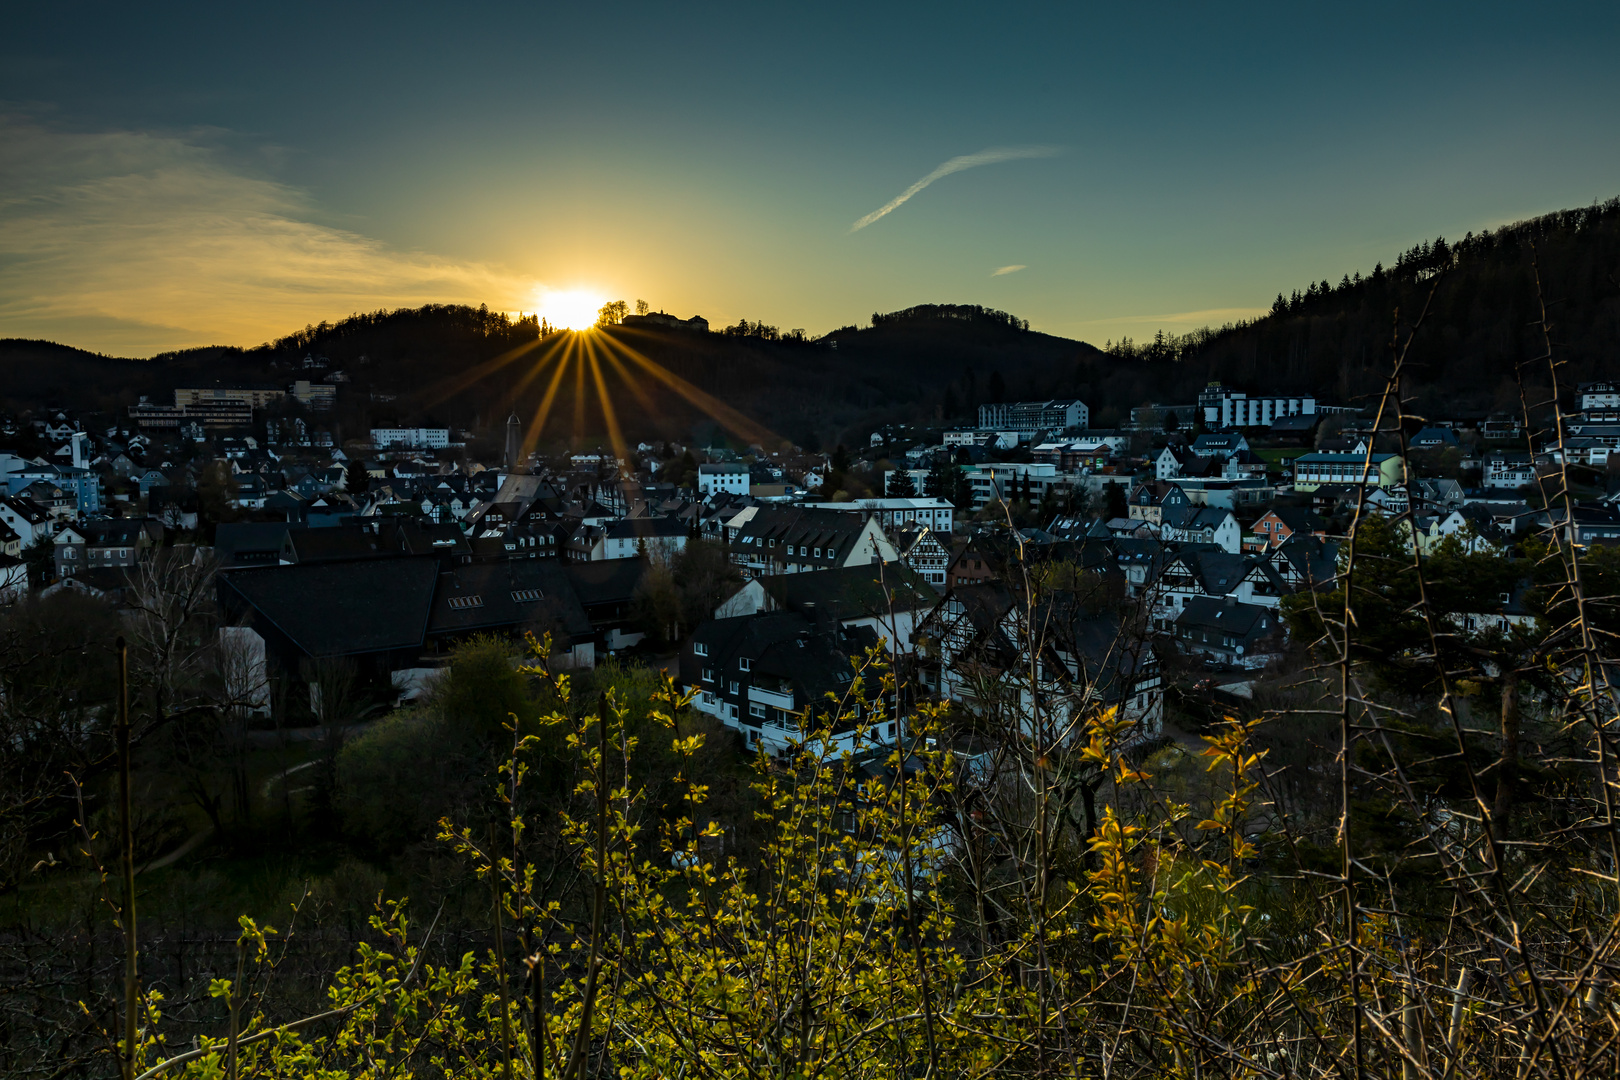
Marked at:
<point>900,485</point>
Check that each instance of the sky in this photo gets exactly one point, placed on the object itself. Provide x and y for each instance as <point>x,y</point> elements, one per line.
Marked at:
<point>177,175</point>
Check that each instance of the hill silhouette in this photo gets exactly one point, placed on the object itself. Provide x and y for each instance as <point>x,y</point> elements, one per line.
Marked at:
<point>1482,322</point>
<point>933,363</point>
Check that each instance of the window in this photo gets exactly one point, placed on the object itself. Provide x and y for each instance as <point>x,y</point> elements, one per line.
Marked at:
<point>733,690</point>
<point>700,649</point>
<point>756,710</point>
<point>743,663</point>
<point>708,674</point>
<point>525,596</point>
<point>818,553</point>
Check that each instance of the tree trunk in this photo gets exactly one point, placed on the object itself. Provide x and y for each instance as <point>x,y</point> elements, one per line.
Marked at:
<point>1507,766</point>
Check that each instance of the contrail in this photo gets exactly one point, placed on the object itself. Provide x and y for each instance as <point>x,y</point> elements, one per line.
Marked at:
<point>1000,270</point>
<point>957,164</point>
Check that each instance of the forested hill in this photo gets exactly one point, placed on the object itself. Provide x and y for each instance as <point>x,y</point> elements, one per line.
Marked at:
<point>1483,318</point>
<point>442,364</point>
<point>932,362</point>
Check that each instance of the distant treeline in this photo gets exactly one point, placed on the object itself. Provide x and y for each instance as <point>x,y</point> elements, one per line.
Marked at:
<point>972,313</point>
<point>442,318</point>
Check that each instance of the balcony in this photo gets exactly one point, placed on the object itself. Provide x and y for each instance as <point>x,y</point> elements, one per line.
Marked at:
<point>772,697</point>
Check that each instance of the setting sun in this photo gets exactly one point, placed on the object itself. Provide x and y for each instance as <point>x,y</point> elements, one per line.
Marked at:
<point>570,309</point>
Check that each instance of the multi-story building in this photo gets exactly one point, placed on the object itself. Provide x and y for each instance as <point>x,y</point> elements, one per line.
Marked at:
<point>414,438</point>
<point>318,397</point>
<point>256,397</point>
<point>789,540</point>
<point>1508,471</point>
<point>1056,415</point>
<point>1230,408</point>
<point>899,512</point>
<point>1311,471</point>
<point>1601,397</point>
<point>723,478</point>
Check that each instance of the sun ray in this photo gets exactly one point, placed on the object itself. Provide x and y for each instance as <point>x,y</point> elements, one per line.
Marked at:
<point>723,414</point>
<point>543,412</point>
<point>452,385</point>
<point>615,438</point>
<point>648,408</point>
<point>530,375</point>
<point>579,397</point>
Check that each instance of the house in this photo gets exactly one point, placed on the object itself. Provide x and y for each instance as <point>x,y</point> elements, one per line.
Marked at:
<point>1229,632</point>
<point>776,676</point>
<point>975,649</point>
<point>731,479</point>
<point>1434,438</point>
<point>107,544</point>
<point>1172,462</point>
<point>1507,471</point>
<point>1281,522</point>
<point>510,599</point>
<point>1219,445</point>
<point>1203,525</point>
<point>775,540</point>
<point>922,551</point>
<point>1204,573</point>
<point>887,598</point>
<point>30,521</point>
<point>628,538</point>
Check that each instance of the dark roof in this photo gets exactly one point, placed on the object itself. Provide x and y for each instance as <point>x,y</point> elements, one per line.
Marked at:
<point>1297,424</point>
<point>343,608</point>
<point>852,592</point>
<point>1227,616</point>
<point>338,543</point>
<point>507,595</point>
<point>633,528</point>
<point>247,543</point>
<point>607,581</point>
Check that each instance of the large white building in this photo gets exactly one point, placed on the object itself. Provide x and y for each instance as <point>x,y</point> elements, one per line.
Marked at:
<point>898,512</point>
<point>730,479</point>
<point>1229,408</point>
<point>414,438</point>
<point>1026,416</point>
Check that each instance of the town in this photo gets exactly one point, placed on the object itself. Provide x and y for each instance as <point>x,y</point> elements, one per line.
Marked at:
<point>757,575</point>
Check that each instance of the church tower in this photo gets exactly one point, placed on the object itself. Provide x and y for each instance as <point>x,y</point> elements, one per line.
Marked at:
<point>514,442</point>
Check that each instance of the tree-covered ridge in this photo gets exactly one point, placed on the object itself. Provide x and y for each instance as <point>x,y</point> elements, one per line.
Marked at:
<point>969,313</point>
<point>1478,297</point>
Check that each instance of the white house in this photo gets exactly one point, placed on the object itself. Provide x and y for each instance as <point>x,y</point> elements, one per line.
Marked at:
<point>1229,408</point>
<point>1508,471</point>
<point>723,479</point>
<point>1204,525</point>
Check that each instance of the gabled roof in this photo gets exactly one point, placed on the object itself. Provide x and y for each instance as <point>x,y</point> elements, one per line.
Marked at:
<point>1227,617</point>
<point>343,608</point>
<point>508,595</point>
<point>853,592</point>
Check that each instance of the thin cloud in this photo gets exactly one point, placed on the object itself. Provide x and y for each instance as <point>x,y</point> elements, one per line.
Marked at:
<point>955,165</point>
<point>1013,269</point>
<point>130,242</point>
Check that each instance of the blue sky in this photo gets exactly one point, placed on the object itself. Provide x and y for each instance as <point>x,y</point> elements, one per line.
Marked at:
<point>176,176</point>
